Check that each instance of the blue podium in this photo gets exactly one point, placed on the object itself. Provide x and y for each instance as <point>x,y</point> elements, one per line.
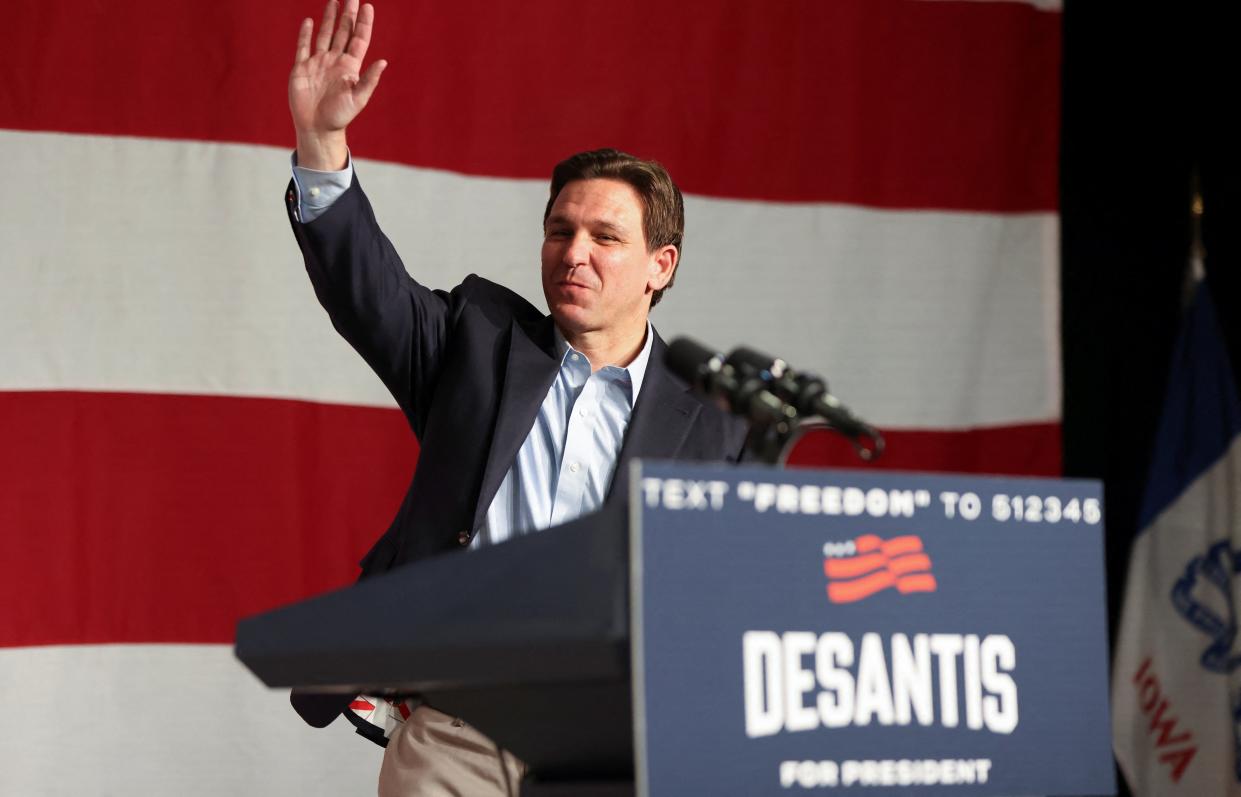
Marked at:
<point>752,631</point>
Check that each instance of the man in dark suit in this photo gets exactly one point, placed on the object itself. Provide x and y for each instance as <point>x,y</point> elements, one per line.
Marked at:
<point>525,420</point>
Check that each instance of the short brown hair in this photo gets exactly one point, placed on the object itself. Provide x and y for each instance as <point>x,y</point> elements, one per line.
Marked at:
<point>663,209</point>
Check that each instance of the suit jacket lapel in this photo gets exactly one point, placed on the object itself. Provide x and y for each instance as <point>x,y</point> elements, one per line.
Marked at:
<point>532,367</point>
<point>661,420</point>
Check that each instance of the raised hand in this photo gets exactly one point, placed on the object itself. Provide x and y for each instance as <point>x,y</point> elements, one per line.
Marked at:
<point>327,88</point>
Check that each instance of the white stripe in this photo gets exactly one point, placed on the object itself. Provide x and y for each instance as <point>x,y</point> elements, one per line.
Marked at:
<point>164,720</point>
<point>167,266</point>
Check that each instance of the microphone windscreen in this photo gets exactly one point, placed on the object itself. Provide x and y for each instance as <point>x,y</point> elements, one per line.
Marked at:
<point>749,359</point>
<point>688,359</point>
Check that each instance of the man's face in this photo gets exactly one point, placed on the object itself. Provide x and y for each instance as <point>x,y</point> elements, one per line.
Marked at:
<point>597,272</point>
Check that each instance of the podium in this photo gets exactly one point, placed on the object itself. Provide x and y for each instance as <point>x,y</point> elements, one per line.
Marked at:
<point>528,641</point>
<point>752,631</point>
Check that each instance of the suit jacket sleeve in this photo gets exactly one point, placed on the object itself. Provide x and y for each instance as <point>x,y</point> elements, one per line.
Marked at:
<point>398,326</point>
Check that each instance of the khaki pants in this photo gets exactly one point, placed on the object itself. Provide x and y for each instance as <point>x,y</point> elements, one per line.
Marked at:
<point>435,755</point>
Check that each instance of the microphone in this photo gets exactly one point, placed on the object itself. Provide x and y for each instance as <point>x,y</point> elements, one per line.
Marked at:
<point>807,394</point>
<point>742,393</point>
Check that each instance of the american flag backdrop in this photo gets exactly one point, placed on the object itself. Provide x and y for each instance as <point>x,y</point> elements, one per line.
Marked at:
<point>184,440</point>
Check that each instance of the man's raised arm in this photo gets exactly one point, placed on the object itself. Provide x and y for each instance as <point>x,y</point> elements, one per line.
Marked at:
<point>398,326</point>
<point>327,88</point>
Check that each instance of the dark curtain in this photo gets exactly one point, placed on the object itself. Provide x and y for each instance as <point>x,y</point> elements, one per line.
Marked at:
<point>1150,119</point>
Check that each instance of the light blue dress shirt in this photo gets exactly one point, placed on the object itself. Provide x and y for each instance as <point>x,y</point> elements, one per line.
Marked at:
<point>316,190</point>
<point>565,466</point>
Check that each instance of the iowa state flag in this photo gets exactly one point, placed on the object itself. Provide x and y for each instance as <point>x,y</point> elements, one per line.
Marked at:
<point>1176,686</point>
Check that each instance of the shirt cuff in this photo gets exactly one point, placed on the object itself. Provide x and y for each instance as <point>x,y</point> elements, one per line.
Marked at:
<point>316,190</point>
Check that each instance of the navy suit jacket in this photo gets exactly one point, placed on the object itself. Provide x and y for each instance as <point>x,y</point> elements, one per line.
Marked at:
<point>469,368</point>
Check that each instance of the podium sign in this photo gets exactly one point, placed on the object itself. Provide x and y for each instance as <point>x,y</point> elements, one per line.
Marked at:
<point>867,633</point>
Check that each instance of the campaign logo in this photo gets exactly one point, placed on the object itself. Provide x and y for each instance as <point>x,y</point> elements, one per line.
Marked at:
<point>862,567</point>
<point>1203,597</point>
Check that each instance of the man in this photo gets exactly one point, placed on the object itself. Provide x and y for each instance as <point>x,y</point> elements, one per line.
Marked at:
<point>525,420</point>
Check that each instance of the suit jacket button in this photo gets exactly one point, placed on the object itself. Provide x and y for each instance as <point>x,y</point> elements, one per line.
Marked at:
<point>463,538</point>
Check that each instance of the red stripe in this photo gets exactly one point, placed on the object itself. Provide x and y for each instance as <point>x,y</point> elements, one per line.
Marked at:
<point>161,518</point>
<point>869,542</point>
<point>889,103</point>
<point>1026,450</point>
<point>921,582</point>
<point>864,587</point>
<point>158,518</point>
<point>902,545</point>
<point>903,565</point>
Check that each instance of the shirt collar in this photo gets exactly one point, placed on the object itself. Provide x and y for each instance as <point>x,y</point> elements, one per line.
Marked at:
<point>636,370</point>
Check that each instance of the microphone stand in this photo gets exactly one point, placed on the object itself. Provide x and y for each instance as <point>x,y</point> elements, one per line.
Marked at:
<point>868,447</point>
<point>771,443</point>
